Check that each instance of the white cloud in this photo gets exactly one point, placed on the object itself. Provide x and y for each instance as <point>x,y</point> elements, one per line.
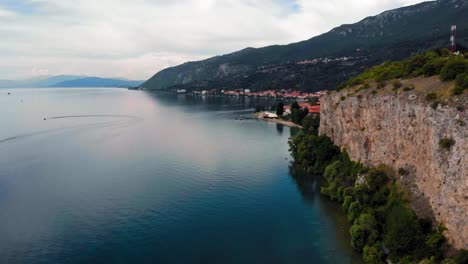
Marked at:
<point>136,38</point>
<point>5,13</point>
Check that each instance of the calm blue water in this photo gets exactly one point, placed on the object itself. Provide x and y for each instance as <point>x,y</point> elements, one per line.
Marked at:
<point>118,176</point>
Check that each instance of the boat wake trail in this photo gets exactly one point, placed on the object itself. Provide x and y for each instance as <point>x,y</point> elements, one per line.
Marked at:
<point>7,139</point>
<point>126,121</point>
<point>80,116</point>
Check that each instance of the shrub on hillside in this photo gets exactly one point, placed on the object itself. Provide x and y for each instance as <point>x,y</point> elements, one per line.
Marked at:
<point>409,88</point>
<point>461,83</point>
<point>402,230</point>
<point>453,68</point>
<point>446,143</point>
<point>457,90</point>
<point>461,256</point>
<point>444,52</point>
<point>431,96</point>
<point>435,104</point>
<point>381,84</point>
<point>402,172</point>
<point>462,80</point>
<point>396,84</point>
<point>431,69</point>
<point>431,63</point>
<point>414,64</point>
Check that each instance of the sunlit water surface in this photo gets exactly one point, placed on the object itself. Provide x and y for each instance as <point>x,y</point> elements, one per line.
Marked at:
<point>118,176</point>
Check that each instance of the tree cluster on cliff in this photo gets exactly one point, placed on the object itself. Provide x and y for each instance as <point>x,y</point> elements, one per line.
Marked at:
<point>383,226</point>
<point>298,114</point>
<point>438,62</point>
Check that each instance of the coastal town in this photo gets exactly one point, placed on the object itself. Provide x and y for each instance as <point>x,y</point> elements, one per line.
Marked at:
<point>283,93</point>
<point>308,102</point>
<point>311,101</point>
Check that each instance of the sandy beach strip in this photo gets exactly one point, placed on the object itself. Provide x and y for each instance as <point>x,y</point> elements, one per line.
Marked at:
<point>277,121</point>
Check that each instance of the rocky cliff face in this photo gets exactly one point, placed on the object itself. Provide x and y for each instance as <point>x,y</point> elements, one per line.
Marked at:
<point>402,130</point>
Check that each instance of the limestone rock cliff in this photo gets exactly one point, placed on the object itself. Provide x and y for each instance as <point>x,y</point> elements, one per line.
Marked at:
<point>402,130</point>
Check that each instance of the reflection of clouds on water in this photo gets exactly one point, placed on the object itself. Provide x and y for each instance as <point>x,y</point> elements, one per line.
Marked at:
<point>155,174</point>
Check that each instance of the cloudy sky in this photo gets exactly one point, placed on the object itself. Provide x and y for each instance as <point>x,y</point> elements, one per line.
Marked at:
<point>136,38</point>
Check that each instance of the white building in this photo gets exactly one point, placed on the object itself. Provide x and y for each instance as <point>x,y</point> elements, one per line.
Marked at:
<point>269,115</point>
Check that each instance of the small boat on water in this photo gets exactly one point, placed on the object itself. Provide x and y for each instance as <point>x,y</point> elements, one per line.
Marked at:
<point>241,117</point>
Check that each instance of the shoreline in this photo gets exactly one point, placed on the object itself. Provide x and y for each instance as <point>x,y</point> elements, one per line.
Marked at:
<point>259,116</point>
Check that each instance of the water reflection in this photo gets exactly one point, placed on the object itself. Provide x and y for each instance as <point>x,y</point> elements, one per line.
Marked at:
<point>214,102</point>
<point>309,188</point>
<point>305,183</point>
<point>280,129</point>
<point>185,184</point>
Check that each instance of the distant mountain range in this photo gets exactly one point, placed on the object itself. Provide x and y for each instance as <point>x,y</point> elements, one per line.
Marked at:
<point>69,81</point>
<point>324,61</point>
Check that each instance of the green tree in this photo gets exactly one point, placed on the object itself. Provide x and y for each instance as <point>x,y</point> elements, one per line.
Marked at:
<point>461,257</point>
<point>313,153</point>
<point>448,261</point>
<point>358,237</point>
<point>280,109</point>
<point>414,64</point>
<point>346,202</point>
<point>373,254</point>
<point>402,230</point>
<point>376,179</point>
<point>313,100</point>
<point>311,124</point>
<point>461,83</point>
<point>364,231</point>
<point>452,68</point>
<point>295,105</point>
<point>434,240</point>
<point>431,260</point>
<point>297,114</point>
<point>354,210</point>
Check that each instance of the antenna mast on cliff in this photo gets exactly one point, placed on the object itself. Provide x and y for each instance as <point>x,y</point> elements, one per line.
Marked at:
<point>453,47</point>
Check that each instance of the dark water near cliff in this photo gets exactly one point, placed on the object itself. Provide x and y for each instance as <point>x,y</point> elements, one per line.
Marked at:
<point>117,176</point>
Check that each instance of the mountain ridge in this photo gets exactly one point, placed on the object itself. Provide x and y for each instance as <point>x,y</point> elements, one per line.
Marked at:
<point>69,81</point>
<point>97,82</point>
<point>391,35</point>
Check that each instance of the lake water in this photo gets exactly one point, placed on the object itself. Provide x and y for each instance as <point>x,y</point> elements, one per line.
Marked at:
<point>118,176</point>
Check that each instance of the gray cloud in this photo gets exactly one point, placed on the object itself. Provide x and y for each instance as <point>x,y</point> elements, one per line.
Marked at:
<point>136,38</point>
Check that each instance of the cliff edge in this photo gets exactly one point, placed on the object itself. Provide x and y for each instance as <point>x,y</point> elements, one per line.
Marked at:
<point>406,130</point>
